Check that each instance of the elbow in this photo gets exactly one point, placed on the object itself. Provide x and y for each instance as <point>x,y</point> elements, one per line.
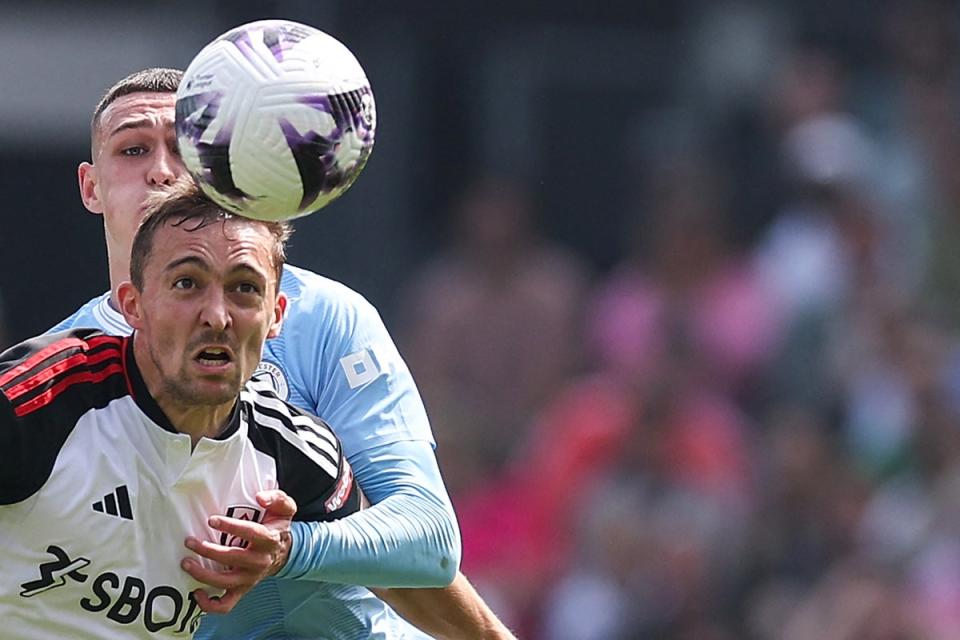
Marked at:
<point>450,563</point>
<point>449,554</point>
<point>446,569</point>
<point>449,567</point>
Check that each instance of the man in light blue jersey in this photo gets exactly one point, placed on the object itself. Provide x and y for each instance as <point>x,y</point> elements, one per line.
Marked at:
<point>334,358</point>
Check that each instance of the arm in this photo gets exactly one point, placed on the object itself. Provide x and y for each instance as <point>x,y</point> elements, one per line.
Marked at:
<point>12,451</point>
<point>451,613</point>
<point>33,427</point>
<point>339,360</point>
<point>360,384</point>
<point>403,480</point>
<point>407,538</point>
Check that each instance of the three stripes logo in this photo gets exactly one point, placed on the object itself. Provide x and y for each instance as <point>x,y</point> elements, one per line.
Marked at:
<point>116,503</point>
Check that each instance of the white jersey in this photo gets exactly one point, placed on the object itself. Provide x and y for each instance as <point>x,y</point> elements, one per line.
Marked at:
<point>98,492</point>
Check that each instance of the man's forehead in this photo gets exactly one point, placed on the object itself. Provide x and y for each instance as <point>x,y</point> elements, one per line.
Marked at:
<point>138,109</point>
<point>236,241</point>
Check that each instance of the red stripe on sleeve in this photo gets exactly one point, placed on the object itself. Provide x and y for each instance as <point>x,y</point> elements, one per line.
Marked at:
<point>84,376</point>
<point>96,341</point>
<point>40,356</point>
<point>57,368</point>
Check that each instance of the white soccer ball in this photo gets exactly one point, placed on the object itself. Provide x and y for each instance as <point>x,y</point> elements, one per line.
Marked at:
<point>275,119</point>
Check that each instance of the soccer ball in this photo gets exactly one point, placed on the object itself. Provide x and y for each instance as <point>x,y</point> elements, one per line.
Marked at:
<point>275,119</point>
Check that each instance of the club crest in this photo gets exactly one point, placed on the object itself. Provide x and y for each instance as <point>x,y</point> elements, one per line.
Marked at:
<point>240,512</point>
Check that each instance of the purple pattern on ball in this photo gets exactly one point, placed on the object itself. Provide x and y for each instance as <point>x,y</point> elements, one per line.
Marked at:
<point>278,38</point>
<point>315,154</point>
<point>349,110</point>
<point>316,161</point>
<point>283,37</point>
<point>241,39</point>
<point>215,160</point>
<point>272,38</point>
<point>238,37</point>
<point>194,114</point>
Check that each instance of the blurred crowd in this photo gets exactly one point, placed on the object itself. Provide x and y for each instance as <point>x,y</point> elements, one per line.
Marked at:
<point>749,428</point>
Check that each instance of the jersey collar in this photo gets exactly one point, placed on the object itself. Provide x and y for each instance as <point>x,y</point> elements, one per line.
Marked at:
<point>109,318</point>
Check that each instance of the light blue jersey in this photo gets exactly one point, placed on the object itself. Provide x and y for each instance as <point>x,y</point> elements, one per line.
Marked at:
<point>335,358</point>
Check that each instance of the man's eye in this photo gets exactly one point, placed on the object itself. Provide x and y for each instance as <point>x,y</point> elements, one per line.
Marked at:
<point>136,150</point>
<point>248,287</point>
<point>184,283</point>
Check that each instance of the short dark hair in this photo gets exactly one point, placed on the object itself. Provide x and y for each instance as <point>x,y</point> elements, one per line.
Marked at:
<point>185,205</point>
<point>154,80</point>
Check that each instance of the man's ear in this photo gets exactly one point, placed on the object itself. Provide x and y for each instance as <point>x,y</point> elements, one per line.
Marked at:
<point>128,299</point>
<point>279,310</point>
<point>89,193</point>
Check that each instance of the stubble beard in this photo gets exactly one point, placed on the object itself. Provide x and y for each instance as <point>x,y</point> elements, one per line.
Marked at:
<point>178,389</point>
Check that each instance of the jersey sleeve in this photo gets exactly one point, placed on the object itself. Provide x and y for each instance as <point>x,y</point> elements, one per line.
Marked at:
<point>44,386</point>
<point>353,374</point>
<point>340,356</point>
<point>407,538</point>
<point>311,467</point>
<point>16,481</point>
<point>83,317</point>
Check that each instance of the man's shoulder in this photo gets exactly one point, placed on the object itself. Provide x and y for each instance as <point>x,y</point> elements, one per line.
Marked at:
<point>313,294</point>
<point>279,422</point>
<point>34,373</point>
<point>310,463</point>
<point>47,385</point>
<point>89,315</point>
<point>325,322</point>
<point>337,353</point>
<point>78,346</point>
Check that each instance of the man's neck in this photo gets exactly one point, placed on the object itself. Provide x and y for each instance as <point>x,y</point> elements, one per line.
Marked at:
<point>119,272</point>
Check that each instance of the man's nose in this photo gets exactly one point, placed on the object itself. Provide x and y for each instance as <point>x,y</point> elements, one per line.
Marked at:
<point>214,312</point>
<point>165,169</point>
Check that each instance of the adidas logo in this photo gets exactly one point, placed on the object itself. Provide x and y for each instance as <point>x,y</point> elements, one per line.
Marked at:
<point>116,503</point>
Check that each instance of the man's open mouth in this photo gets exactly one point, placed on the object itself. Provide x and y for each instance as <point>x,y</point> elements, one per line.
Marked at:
<point>214,356</point>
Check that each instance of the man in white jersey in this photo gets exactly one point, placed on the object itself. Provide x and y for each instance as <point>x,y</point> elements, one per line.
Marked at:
<point>335,359</point>
<point>113,450</point>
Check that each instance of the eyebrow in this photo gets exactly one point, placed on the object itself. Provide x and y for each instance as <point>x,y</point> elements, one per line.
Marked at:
<point>193,260</point>
<point>136,123</point>
<point>202,264</point>
<point>246,268</point>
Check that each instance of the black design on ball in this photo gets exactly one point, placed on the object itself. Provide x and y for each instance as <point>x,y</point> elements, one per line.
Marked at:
<point>194,114</point>
<point>316,154</point>
<point>215,160</point>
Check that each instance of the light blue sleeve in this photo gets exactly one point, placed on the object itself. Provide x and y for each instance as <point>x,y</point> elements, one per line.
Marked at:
<point>82,317</point>
<point>95,314</point>
<point>343,363</point>
<point>408,538</point>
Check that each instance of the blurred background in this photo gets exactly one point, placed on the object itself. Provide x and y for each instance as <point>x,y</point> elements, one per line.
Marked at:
<point>679,283</point>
